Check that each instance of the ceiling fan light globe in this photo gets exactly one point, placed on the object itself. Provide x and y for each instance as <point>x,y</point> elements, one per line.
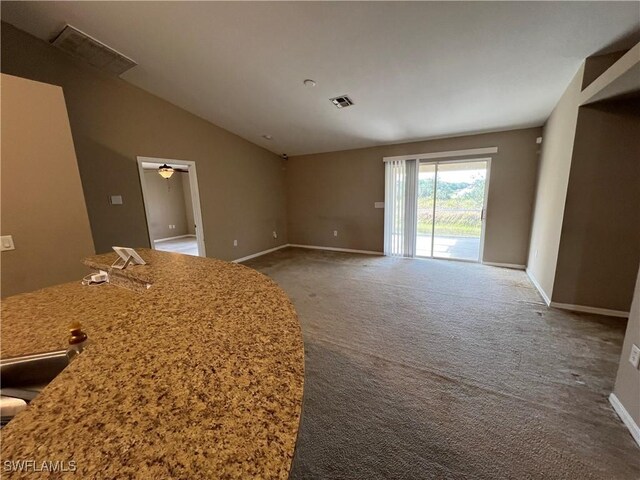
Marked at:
<point>165,171</point>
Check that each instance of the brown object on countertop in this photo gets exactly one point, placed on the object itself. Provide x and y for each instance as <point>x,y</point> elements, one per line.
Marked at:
<point>77,335</point>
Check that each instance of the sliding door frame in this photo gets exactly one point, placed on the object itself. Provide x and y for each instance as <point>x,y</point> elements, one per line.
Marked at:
<point>435,192</point>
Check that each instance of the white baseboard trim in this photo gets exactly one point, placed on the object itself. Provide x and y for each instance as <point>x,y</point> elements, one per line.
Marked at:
<point>310,247</point>
<point>172,238</point>
<point>625,417</point>
<point>259,254</point>
<point>335,249</point>
<point>514,266</point>
<point>538,287</point>
<point>575,308</point>
<point>596,310</point>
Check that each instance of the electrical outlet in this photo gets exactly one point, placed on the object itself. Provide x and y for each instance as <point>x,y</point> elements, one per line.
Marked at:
<point>275,234</point>
<point>634,356</point>
<point>335,233</point>
<point>235,243</point>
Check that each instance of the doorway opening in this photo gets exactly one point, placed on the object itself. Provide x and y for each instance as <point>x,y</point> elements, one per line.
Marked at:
<point>452,197</point>
<point>172,206</point>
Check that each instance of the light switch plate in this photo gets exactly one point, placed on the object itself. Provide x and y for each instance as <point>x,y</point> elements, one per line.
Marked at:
<point>6,241</point>
<point>634,356</point>
<point>116,200</point>
<point>378,204</point>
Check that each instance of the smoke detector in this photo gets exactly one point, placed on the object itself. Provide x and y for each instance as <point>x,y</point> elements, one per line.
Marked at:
<point>92,51</point>
<point>342,101</point>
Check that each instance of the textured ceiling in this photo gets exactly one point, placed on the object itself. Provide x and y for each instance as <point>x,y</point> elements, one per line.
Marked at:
<point>415,70</point>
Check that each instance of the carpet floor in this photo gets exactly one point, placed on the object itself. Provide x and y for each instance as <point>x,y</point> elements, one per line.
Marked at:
<point>433,369</point>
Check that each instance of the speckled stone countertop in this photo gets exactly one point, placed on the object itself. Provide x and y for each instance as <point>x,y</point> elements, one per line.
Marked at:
<point>199,376</point>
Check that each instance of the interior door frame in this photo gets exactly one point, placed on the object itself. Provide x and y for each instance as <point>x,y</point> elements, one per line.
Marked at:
<point>484,207</point>
<point>195,197</point>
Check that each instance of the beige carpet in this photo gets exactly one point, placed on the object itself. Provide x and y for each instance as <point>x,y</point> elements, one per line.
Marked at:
<point>421,369</point>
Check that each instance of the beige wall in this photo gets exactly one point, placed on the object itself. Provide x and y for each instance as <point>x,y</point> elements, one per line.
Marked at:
<point>42,203</point>
<point>165,199</point>
<point>627,387</point>
<point>242,186</point>
<point>600,242</point>
<point>597,65</point>
<point>188,203</point>
<point>551,190</point>
<point>337,191</point>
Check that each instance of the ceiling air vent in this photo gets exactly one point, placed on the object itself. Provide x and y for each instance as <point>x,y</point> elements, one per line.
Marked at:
<point>96,53</point>
<point>342,101</point>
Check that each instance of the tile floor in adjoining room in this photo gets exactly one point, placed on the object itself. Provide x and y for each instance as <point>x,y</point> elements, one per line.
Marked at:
<point>187,245</point>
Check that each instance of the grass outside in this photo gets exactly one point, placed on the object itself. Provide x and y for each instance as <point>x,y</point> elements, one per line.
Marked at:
<point>458,211</point>
<point>457,223</point>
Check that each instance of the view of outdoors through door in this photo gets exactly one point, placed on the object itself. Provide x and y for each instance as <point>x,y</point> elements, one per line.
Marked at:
<point>450,209</point>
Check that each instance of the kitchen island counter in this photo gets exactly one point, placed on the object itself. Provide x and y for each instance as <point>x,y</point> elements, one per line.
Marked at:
<point>198,376</point>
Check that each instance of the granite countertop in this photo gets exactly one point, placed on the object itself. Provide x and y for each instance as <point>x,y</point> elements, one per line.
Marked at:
<point>198,376</point>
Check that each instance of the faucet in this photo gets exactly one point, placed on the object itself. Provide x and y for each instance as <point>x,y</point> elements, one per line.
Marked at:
<point>77,341</point>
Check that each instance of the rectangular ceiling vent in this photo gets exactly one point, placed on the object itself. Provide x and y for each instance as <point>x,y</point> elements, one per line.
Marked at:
<point>96,53</point>
<point>342,101</point>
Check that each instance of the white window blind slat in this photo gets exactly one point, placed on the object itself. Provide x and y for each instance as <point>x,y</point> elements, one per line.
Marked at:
<point>400,214</point>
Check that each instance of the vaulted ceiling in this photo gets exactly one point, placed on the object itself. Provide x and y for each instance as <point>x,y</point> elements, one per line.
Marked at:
<point>415,70</point>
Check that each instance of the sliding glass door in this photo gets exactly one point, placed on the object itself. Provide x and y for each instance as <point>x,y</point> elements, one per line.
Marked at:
<point>451,205</point>
<point>426,203</point>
